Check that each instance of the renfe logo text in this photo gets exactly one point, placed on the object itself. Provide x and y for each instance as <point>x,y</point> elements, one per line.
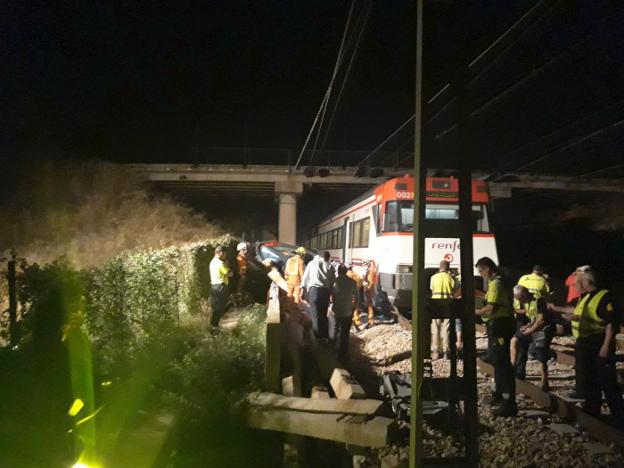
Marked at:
<point>450,246</point>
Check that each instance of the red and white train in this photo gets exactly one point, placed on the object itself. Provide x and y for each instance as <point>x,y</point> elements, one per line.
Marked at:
<point>378,226</point>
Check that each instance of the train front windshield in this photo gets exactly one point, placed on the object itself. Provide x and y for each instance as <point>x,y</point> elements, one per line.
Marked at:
<point>399,216</point>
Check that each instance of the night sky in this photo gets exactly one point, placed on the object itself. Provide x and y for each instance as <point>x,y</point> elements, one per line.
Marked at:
<point>159,81</point>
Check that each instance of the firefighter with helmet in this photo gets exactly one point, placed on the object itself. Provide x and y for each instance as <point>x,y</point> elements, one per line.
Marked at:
<point>295,266</point>
<point>242,262</point>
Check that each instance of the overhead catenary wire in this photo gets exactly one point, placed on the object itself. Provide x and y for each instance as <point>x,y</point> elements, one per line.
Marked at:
<point>516,29</point>
<point>329,88</point>
<point>511,155</point>
<point>572,143</point>
<point>360,33</point>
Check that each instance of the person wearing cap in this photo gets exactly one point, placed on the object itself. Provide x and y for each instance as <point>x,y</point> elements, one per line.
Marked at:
<point>573,293</point>
<point>442,286</point>
<point>499,318</point>
<point>242,262</point>
<point>371,278</point>
<point>220,274</point>
<point>535,282</point>
<point>293,273</point>
<point>535,329</point>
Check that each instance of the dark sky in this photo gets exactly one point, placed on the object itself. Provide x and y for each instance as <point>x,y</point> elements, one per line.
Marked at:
<point>149,81</point>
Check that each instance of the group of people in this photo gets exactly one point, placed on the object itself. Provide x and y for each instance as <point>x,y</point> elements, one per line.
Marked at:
<point>520,320</point>
<point>335,295</point>
<point>514,326</point>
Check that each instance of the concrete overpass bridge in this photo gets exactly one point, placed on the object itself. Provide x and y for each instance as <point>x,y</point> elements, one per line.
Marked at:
<point>287,185</point>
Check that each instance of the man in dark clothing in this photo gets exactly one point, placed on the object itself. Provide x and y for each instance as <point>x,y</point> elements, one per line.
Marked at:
<point>317,282</point>
<point>344,298</point>
<point>499,319</point>
<point>535,328</point>
<point>595,321</point>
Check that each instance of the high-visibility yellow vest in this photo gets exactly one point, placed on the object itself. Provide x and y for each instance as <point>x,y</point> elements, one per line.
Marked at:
<point>535,283</point>
<point>442,285</point>
<point>530,308</point>
<point>586,321</point>
<point>497,294</point>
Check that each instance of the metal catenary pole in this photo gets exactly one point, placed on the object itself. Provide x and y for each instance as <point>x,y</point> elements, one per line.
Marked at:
<point>418,299</point>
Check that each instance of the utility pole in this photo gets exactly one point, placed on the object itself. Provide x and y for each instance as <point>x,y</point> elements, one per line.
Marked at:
<point>418,298</point>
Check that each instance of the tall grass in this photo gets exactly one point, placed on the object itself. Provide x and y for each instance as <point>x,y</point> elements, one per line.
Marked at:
<point>90,212</point>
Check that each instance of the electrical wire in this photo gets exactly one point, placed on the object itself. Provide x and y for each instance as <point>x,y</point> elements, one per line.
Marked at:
<point>331,83</point>
<point>364,22</point>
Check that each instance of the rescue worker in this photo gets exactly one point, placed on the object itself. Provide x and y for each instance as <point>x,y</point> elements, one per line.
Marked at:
<point>293,273</point>
<point>573,292</point>
<point>535,282</point>
<point>357,321</point>
<point>371,278</point>
<point>242,262</point>
<point>536,329</point>
<point>594,325</point>
<point>317,282</point>
<point>442,286</point>
<point>220,274</point>
<point>499,319</point>
<point>344,298</point>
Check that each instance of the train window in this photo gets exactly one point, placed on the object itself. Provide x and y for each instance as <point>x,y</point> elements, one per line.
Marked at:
<point>364,232</point>
<point>407,216</point>
<point>357,229</point>
<point>391,217</point>
<point>441,212</point>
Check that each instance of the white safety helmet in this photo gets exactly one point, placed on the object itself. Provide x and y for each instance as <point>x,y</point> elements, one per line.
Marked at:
<point>241,246</point>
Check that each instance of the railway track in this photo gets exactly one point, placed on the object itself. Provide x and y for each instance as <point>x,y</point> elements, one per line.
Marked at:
<point>550,401</point>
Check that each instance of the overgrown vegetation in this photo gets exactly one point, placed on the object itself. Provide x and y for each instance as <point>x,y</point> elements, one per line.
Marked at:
<point>153,352</point>
<point>90,212</point>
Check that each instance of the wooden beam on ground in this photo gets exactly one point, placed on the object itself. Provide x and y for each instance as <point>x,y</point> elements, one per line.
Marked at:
<point>356,430</point>
<point>600,430</point>
<point>273,353</point>
<point>350,407</point>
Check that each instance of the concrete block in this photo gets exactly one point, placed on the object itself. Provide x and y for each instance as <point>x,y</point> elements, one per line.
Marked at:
<point>319,393</point>
<point>345,386</point>
<point>291,386</point>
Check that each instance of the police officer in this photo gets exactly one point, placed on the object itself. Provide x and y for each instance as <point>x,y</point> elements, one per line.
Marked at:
<point>535,328</point>
<point>535,282</point>
<point>499,318</point>
<point>594,325</point>
<point>442,286</point>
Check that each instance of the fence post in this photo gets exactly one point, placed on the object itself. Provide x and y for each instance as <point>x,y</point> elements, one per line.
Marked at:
<point>11,277</point>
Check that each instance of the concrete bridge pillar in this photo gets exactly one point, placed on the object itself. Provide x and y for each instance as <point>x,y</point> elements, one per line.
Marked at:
<point>287,193</point>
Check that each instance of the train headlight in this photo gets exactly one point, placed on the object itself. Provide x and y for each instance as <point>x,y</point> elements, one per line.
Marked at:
<point>404,268</point>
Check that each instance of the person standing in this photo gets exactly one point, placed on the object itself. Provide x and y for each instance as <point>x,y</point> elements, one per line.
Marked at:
<point>499,319</point>
<point>220,274</point>
<point>442,286</point>
<point>535,282</point>
<point>317,282</point>
<point>594,325</point>
<point>344,298</point>
<point>570,282</point>
<point>357,321</point>
<point>371,279</point>
<point>295,268</point>
<point>242,262</point>
<point>536,328</point>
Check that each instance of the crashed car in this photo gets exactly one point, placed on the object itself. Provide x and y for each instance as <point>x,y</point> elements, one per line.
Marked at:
<point>278,253</point>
